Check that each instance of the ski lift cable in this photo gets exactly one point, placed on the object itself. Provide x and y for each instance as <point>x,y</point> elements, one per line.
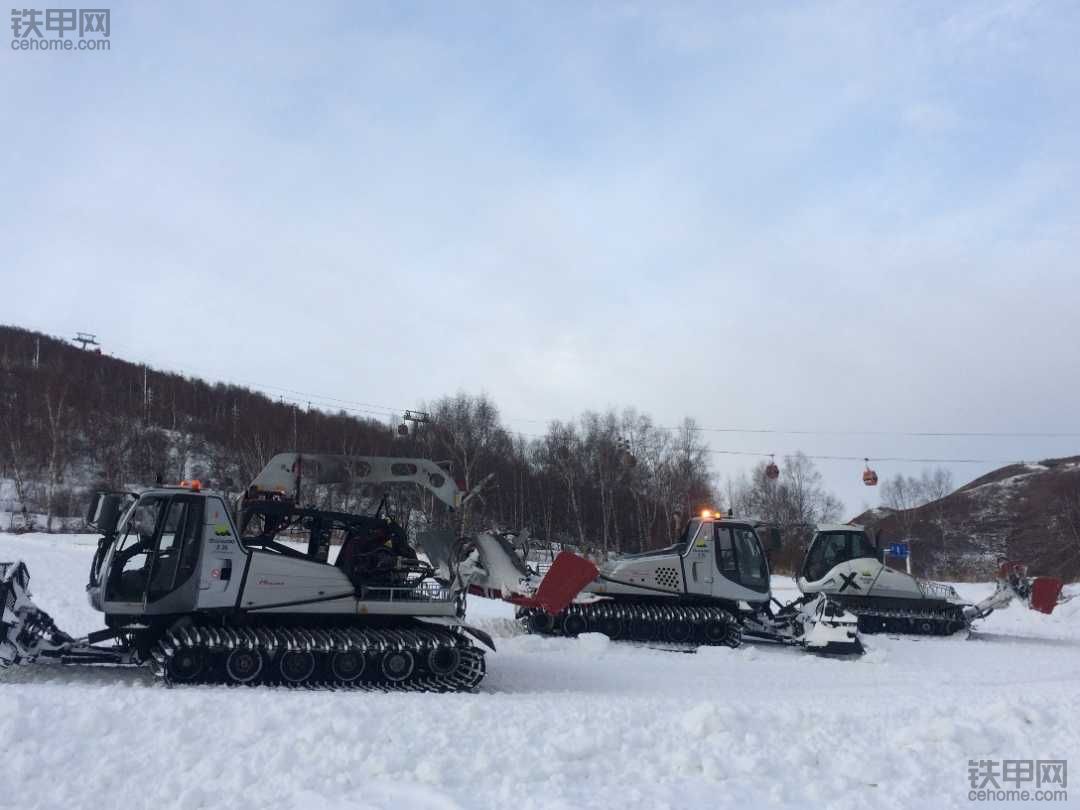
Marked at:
<point>894,459</point>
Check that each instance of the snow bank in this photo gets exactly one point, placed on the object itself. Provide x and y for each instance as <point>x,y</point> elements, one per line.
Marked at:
<point>558,723</point>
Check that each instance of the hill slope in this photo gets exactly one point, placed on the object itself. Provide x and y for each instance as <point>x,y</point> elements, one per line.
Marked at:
<point>1026,512</point>
<point>69,418</point>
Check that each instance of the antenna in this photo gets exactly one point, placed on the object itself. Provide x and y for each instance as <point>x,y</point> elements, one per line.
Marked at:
<point>85,339</point>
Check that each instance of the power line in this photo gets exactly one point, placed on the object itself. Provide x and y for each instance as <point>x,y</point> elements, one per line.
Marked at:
<point>383,411</point>
<point>324,400</point>
<point>908,434</point>
<point>911,434</point>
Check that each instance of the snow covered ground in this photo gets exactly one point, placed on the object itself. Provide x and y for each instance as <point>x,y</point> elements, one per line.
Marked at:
<point>558,723</point>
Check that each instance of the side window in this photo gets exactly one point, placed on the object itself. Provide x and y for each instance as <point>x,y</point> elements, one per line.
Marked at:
<point>690,531</point>
<point>189,556</point>
<point>704,535</point>
<point>168,551</point>
<point>753,571</point>
<point>725,553</point>
<point>177,549</point>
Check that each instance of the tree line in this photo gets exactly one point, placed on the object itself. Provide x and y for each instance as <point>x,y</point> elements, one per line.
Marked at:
<point>72,420</point>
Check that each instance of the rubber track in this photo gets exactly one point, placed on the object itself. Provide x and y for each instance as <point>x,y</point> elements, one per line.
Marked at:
<point>632,621</point>
<point>217,643</point>
<point>910,622</point>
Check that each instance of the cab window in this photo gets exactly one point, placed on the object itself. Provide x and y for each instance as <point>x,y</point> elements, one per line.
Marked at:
<point>690,532</point>
<point>740,558</point>
<point>725,554</point>
<point>704,535</point>
<point>832,548</point>
<point>179,541</point>
<point>753,569</point>
<point>861,546</point>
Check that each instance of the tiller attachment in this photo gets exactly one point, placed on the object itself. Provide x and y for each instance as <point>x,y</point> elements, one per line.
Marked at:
<point>26,631</point>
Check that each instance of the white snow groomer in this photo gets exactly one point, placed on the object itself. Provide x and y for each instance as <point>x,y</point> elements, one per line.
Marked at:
<point>843,562</point>
<point>711,588</point>
<point>206,599</point>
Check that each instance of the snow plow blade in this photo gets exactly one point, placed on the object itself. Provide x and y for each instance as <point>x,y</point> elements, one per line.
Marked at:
<point>26,631</point>
<point>563,581</point>
<point>1044,594</point>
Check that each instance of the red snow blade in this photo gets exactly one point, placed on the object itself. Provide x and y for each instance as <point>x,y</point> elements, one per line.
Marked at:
<point>1044,593</point>
<point>563,581</point>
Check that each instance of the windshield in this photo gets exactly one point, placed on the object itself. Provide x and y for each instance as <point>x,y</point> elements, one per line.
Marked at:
<point>832,548</point>
<point>122,523</point>
<point>139,523</point>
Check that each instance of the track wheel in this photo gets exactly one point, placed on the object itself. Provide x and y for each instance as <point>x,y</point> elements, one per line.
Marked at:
<point>926,627</point>
<point>611,626</point>
<point>347,666</point>
<point>186,664</point>
<point>443,660</point>
<point>398,665</point>
<point>243,666</point>
<point>296,665</point>
<point>574,624</point>
<point>679,631</point>
<point>541,622</point>
<point>720,631</point>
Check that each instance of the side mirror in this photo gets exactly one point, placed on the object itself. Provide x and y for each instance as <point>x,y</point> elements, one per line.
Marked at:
<point>104,511</point>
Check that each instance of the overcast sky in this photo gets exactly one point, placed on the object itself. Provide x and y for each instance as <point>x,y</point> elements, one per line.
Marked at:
<point>819,217</point>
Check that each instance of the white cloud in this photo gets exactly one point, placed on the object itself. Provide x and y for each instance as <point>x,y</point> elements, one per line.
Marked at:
<point>829,217</point>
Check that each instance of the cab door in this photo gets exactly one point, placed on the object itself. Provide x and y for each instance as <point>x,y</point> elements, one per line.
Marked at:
<point>741,563</point>
<point>176,553</point>
<point>699,569</point>
<point>155,556</point>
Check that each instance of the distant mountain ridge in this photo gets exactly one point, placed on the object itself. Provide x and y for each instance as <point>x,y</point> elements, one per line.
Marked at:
<point>1024,512</point>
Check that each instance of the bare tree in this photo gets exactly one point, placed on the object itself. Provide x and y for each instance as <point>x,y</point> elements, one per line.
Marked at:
<point>467,428</point>
<point>935,484</point>
<point>797,498</point>
<point>903,494</point>
<point>59,441</point>
<point>563,452</point>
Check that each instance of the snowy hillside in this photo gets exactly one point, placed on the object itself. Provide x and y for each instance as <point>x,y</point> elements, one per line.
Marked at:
<point>1027,512</point>
<point>557,723</point>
